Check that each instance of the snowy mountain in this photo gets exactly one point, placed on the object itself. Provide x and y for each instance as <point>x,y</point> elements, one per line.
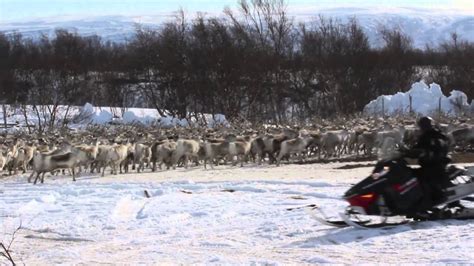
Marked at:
<point>425,26</point>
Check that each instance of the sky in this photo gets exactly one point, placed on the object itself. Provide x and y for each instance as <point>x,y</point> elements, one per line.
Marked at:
<point>28,10</point>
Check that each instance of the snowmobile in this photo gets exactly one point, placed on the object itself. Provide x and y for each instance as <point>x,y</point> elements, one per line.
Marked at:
<point>393,190</point>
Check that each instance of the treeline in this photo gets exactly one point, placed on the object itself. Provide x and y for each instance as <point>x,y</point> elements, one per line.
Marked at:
<point>257,65</point>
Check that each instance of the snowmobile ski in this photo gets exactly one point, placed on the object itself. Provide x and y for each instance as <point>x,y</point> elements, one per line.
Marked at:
<point>325,221</point>
<point>334,223</point>
<point>312,206</point>
<point>368,225</point>
<point>458,192</point>
<point>468,198</point>
<point>464,214</point>
<point>460,214</point>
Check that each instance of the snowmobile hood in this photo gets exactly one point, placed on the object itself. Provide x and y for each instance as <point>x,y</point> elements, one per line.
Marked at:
<point>385,171</point>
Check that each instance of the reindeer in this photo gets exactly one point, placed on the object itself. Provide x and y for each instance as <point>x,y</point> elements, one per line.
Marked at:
<point>212,150</point>
<point>162,152</point>
<point>367,141</point>
<point>116,156</point>
<point>462,136</point>
<point>91,151</point>
<point>142,156</point>
<point>333,142</point>
<point>291,146</point>
<point>240,149</point>
<point>186,148</point>
<point>270,144</point>
<point>49,162</point>
<point>3,159</point>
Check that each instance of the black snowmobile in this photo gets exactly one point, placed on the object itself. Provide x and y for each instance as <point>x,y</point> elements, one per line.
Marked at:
<point>393,190</point>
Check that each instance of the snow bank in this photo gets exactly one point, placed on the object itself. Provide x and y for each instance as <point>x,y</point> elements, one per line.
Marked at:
<point>76,116</point>
<point>145,116</point>
<point>425,100</point>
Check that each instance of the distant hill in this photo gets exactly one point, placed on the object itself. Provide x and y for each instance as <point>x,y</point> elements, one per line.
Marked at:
<point>423,25</point>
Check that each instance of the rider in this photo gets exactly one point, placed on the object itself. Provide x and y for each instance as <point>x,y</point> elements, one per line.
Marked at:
<point>431,150</point>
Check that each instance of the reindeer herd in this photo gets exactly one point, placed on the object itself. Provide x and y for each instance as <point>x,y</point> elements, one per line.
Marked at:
<point>123,148</point>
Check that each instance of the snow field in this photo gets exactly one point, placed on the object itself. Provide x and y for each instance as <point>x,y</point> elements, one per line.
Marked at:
<point>190,218</point>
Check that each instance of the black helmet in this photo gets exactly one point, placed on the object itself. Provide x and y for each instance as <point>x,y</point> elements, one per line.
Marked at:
<point>425,123</point>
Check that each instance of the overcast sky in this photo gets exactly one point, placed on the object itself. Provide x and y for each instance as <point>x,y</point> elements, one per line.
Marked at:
<point>27,10</point>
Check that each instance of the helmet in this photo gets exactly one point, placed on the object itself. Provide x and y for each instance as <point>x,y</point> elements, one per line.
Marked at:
<point>425,123</point>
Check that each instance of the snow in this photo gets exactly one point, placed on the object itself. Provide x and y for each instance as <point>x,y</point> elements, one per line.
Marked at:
<point>424,25</point>
<point>89,114</point>
<point>425,99</point>
<point>108,220</point>
<point>145,116</point>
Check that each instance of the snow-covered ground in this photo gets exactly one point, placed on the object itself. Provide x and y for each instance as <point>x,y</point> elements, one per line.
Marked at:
<point>191,217</point>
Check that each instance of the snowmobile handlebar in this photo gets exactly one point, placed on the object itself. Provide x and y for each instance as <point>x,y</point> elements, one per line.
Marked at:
<point>405,152</point>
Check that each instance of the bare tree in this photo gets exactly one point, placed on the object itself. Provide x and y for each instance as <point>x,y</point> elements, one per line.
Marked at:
<point>5,248</point>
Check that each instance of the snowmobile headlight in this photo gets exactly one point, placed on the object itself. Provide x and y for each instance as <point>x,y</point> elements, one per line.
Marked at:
<point>381,173</point>
<point>367,196</point>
